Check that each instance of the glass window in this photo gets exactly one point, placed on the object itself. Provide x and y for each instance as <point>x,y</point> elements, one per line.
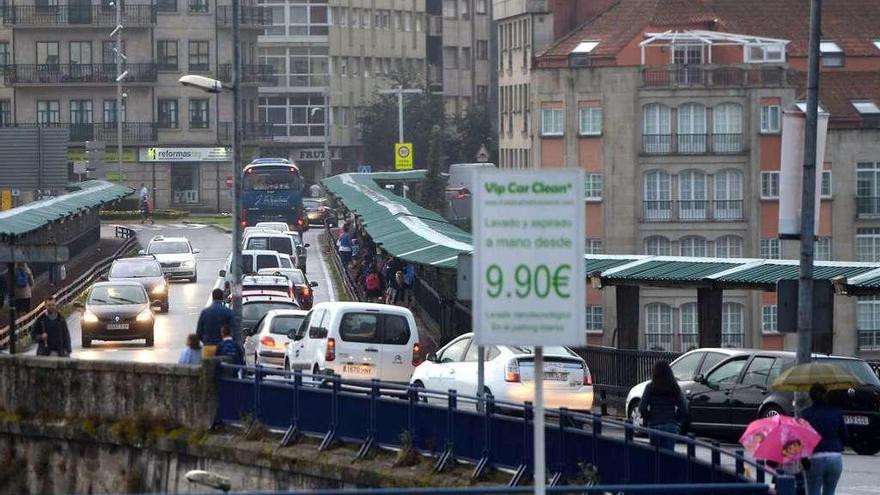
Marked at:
<point>768,318</point>
<point>831,54</point>
<point>5,112</point>
<point>728,372</point>
<point>108,51</point>
<point>770,115</point>
<point>103,295</point>
<point>47,53</point>
<point>590,121</point>
<point>825,189</point>
<point>168,247</point>
<point>198,6</point>
<point>449,9</point>
<point>135,269</point>
<point>728,246</point>
<point>284,325</point>
<point>770,184</point>
<point>769,249</point>
<point>450,57</point>
<point>727,130</point>
<point>395,331</point>
<point>595,318</point>
<point>81,112</point>
<point>728,204</point>
<point>185,186</point>
<point>199,57</point>
<point>658,327</point>
<point>313,323</point>
<point>657,245</point>
<point>685,367</point>
<point>692,203</point>
<point>593,246</point>
<point>166,54</point>
<point>454,352</point>
<point>110,111</point>
<point>198,113</point>
<point>359,327</point>
<point>758,372</point>
<point>168,113</point>
<point>465,9</point>
<point>868,323</point>
<point>5,57</point>
<point>592,187</point>
<point>658,196</point>
<point>822,249</point>
<point>482,49</point>
<point>480,6</point>
<point>732,325</point>
<point>266,261</point>
<point>552,121</point>
<point>693,246</point>
<point>712,358</point>
<point>692,128</point>
<point>657,128</point>
<point>81,52</point>
<point>868,244</point>
<point>690,338</point>
<point>868,188</point>
<point>48,112</point>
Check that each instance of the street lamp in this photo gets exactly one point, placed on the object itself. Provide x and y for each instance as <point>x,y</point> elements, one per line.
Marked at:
<point>120,76</point>
<point>215,86</point>
<point>326,164</point>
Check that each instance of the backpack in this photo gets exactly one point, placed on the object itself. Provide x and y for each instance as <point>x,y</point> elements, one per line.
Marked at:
<point>21,279</point>
<point>373,281</point>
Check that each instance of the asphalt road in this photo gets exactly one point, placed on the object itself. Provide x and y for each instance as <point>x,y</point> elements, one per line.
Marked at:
<point>187,299</point>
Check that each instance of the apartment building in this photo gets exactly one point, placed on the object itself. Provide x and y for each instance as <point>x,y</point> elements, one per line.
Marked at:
<point>673,109</point>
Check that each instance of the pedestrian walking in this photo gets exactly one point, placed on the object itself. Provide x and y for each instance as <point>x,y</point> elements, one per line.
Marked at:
<point>211,320</point>
<point>824,467</point>
<point>229,348</point>
<point>373,284</point>
<point>193,352</point>
<point>663,406</point>
<point>397,293</point>
<point>24,284</point>
<point>344,245</point>
<point>50,332</point>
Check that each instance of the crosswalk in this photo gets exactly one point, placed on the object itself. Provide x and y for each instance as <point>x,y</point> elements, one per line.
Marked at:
<point>165,226</point>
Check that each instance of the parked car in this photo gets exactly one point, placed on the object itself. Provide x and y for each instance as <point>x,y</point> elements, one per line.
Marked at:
<point>270,337</point>
<point>301,286</point>
<point>176,256</point>
<point>255,305</point>
<point>118,310</point>
<point>146,271</point>
<point>272,241</point>
<point>318,212</point>
<point>357,341</point>
<point>509,374</point>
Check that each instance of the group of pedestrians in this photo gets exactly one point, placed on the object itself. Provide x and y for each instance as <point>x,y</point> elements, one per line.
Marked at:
<point>215,335</point>
<point>664,408</point>
<point>386,280</point>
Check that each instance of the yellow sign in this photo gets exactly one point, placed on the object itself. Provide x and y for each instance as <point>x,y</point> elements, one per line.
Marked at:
<point>403,156</point>
<point>129,155</point>
<point>5,199</point>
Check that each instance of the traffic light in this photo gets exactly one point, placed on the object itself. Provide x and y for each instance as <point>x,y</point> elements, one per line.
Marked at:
<point>94,154</point>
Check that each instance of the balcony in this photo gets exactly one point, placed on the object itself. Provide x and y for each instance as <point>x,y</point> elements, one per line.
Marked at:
<point>251,16</point>
<point>77,16</point>
<point>45,74</point>
<point>692,144</point>
<point>727,210</point>
<point>251,131</point>
<point>868,206</point>
<point>132,132</point>
<point>708,76</point>
<point>250,73</point>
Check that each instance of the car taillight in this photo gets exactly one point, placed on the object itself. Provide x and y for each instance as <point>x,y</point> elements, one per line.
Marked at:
<point>417,354</point>
<point>330,355</point>
<point>299,221</point>
<point>267,341</point>
<point>588,378</point>
<point>512,372</point>
<point>306,291</point>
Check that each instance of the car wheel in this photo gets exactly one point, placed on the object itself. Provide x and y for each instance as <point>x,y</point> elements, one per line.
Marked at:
<point>286,365</point>
<point>86,342</point>
<point>195,278</point>
<point>633,413</point>
<point>770,411</point>
<point>420,396</point>
<point>865,446</point>
<point>164,307</point>
<point>150,340</point>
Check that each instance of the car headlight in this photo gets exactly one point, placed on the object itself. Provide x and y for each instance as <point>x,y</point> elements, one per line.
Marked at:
<point>159,289</point>
<point>145,315</point>
<point>188,264</point>
<point>89,317</point>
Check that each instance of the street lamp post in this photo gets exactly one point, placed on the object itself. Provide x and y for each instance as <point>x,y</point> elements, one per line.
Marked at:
<point>399,91</point>
<point>120,76</point>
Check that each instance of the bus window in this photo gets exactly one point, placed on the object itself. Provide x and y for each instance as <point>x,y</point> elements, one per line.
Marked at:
<point>272,180</point>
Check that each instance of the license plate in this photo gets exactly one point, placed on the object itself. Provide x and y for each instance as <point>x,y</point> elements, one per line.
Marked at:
<point>856,420</point>
<point>358,369</point>
<point>117,326</point>
<point>556,376</point>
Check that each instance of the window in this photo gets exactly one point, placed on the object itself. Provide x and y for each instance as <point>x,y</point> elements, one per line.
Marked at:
<point>658,327</point>
<point>657,129</point>
<point>590,121</point>
<point>728,246</point>
<point>295,115</point>
<point>198,6</point>
<point>770,184</point>
<point>166,54</point>
<point>690,337</point>
<point>822,249</point>
<point>81,112</point>
<point>732,325</point>
<point>48,112</point>
<point>199,56</point>
<point>453,352</point>
<point>480,6</point>
<point>5,59</point>
<point>198,113</point>
<point>831,54</point>
<point>595,318</point>
<point>110,111</point>
<point>769,249</point>
<point>758,372</point>
<point>304,66</point>
<point>359,327</point>
<point>693,246</point>
<point>395,330</point>
<point>108,51</point>
<point>865,106</point>
<point>825,190</point>
<point>728,372</point>
<point>407,21</point>
<point>868,323</point>
<point>449,9</point>
<point>768,318</point>
<point>692,195</point>
<point>658,196</point>
<point>482,50</point>
<point>465,9</point>
<point>765,53</point>
<point>692,128</point>
<point>482,93</point>
<point>592,187</point>
<point>727,128</point>
<point>868,188</point>
<point>450,57</point>
<point>593,246</point>
<point>868,244</point>
<point>47,53</point>
<point>728,203</point>
<point>168,114</point>
<point>81,52</point>
<point>657,245</point>
<point>5,112</point>
<point>769,119</point>
<point>552,121</point>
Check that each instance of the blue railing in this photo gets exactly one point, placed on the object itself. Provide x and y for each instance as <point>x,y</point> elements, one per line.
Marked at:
<point>741,488</point>
<point>450,427</point>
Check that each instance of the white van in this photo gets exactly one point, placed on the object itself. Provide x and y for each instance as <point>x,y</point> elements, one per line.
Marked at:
<point>460,187</point>
<point>253,261</point>
<point>272,241</point>
<point>357,341</point>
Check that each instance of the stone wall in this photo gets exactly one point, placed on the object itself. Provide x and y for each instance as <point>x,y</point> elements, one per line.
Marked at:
<point>108,391</point>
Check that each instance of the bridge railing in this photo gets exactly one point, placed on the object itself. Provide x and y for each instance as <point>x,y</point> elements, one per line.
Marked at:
<point>742,488</point>
<point>449,426</point>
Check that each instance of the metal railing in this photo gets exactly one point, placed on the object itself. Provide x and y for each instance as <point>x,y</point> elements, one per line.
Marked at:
<point>449,426</point>
<point>250,73</point>
<point>77,73</point>
<point>739,488</point>
<point>727,209</point>
<point>657,211</point>
<point>692,144</point>
<point>685,76</point>
<point>132,132</point>
<point>692,210</point>
<point>618,370</point>
<point>252,131</point>
<point>251,16</point>
<point>72,15</point>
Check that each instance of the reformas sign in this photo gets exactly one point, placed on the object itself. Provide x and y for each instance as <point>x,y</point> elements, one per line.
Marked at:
<point>185,154</point>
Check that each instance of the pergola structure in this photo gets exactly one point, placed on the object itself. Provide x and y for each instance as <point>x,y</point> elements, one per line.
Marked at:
<point>773,47</point>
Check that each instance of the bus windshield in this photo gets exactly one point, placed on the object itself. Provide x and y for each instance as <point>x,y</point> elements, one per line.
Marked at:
<point>279,179</point>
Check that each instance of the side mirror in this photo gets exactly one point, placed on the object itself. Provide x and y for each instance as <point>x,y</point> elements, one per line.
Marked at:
<point>142,252</point>
<point>431,357</point>
<point>222,273</point>
<point>297,336</point>
<point>700,379</point>
<point>197,251</point>
<point>307,245</point>
<point>247,331</point>
<point>313,284</point>
<point>103,278</point>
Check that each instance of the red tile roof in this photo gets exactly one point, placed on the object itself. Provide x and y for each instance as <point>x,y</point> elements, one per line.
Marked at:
<point>853,24</point>
<point>838,89</point>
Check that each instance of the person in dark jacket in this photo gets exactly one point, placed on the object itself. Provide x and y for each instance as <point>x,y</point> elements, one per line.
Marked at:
<point>50,332</point>
<point>663,406</point>
<point>229,348</point>
<point>211,320</point>
<point>826,463</point>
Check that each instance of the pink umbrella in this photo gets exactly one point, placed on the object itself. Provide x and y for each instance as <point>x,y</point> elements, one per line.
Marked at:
<point>780,439</point>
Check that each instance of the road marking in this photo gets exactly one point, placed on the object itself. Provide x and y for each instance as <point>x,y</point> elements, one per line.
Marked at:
<point>331,291</point>
<point>160,226</point>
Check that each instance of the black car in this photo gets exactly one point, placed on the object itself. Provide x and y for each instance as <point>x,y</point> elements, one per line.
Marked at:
<point>318,212</point>
<point>737,391</point>
<point>146,271</point>
<point>117,311</point>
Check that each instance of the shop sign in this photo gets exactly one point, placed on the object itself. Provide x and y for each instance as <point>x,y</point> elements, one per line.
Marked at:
<point>185,154</point>
<point>308,154</point>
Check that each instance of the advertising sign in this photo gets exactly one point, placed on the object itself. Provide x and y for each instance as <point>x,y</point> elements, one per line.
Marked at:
<point>403,156</point>
<point>185,154</point>
<point>791,177</point>
<point>528,272</point>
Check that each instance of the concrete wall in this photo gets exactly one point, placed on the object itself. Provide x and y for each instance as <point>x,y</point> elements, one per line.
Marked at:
<point>106,390</point>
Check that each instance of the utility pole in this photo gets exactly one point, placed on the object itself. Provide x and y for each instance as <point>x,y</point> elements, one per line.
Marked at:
<point>808,198</point>
<point>236,165</point>
<point>119,77</point>
<point>399,91</point>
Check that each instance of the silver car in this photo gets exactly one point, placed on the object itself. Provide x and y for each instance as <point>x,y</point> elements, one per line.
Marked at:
<point>176,255</point>
<point>270,337</point>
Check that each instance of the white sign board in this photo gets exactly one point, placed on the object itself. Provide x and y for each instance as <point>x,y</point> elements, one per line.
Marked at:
<point>186,154</point>
<point>528,270</point>
<point>791,181</point>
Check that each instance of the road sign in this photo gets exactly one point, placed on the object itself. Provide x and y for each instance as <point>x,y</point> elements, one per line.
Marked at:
<point>365,169</point>
<point>5,199</point>
<point>229,182</point>
<point>529,258</point>
<point>33,254</point>
<point>403,156</point>
<point>482,154</point>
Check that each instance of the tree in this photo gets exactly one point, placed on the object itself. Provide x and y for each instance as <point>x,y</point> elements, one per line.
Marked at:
<point>434,190</point>
<point>472,130</point>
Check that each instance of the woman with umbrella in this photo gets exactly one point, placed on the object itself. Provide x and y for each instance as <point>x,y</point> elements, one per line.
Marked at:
<point>826,463</point>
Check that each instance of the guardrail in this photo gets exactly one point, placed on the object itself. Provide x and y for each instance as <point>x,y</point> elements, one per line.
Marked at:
<point>69,292</point>
<point>742,488</point>
<point>448,426</point>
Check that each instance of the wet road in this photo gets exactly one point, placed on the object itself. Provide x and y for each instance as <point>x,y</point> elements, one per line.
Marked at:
<point>187,299</point>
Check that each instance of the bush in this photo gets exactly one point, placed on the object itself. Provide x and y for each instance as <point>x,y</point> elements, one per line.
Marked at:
<point>167,214</point>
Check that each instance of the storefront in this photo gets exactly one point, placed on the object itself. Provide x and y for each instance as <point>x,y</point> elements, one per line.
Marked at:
<point>310,162</point>
<point>188,178</point>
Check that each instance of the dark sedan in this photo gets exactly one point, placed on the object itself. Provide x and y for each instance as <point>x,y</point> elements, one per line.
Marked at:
<point>318,213</point>
<point>146,271</point>
<point>117,311</point>
<point>737,391</point>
